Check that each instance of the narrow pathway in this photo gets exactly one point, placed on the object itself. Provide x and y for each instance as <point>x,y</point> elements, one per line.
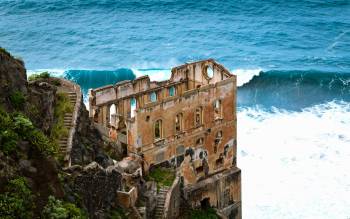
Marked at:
<point>68,123</point>
<point>158,214</point>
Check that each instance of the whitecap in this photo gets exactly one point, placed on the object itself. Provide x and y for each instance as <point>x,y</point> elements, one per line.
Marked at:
<point>315,184</point>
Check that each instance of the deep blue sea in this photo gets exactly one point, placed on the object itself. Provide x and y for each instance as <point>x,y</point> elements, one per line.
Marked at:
<point>292,59</point>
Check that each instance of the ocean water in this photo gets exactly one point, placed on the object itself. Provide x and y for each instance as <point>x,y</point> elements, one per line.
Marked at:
<point>292,59</point>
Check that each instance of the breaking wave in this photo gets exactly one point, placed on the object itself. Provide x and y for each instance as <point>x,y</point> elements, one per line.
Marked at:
<point>294,90</point>
<point>291,90</point>
<point>295,160</point>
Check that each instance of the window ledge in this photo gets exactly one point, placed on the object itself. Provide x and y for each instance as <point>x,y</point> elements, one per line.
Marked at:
<point>159,141</point>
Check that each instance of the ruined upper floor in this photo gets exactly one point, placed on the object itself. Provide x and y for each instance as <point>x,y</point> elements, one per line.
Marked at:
<point>126,97</point>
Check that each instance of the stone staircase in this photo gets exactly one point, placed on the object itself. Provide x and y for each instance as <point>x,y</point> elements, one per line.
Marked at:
<point>68,123</point>
<point>158,214</point>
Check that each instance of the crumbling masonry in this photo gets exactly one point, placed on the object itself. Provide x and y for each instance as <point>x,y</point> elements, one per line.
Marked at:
<point>188,121</point>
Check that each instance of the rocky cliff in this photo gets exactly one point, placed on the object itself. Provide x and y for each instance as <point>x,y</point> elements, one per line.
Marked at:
<point>33,181</point>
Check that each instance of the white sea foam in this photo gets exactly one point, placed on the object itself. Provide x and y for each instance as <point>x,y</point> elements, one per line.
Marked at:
<point>295,164</point>
<point>154,74</point>
<point>245,75</point>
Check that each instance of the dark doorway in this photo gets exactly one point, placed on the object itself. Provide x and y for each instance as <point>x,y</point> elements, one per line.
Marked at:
<point>124,149</point>
<point>205,203</point>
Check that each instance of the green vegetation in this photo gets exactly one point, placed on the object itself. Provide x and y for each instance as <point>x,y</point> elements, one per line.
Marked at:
<point>42,75</point>
<point>17,99</point>
<point>17,200</point>
<point>15,127</point>
<point>4,51</point>
<point>117,213</point>
<point>62,107</point>
<point>208,213</point>
<point>57,209</point>
<point>56,82</point>
<point>163,176</point>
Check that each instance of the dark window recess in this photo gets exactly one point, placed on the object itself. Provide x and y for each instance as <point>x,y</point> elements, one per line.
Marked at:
<point>199,141</point>
<point>147,118</point>
<point>201,156</point>
<point>219,161</point>
<point>179,160</point>
<point>190,152</point>
<point>158,129</point>
<point>178,122</point>
<point>226,149</point>
<point>198,118</point>
<point>218,137</point>
<point>199,169</point>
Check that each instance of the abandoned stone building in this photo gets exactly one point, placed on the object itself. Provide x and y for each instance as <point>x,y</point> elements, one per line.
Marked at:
<point>188,122</point>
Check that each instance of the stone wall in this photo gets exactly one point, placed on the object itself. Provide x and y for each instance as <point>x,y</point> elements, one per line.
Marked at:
<point>173,200</point>
<point>127,199</point>
<point>95,186</point>
<point>221,191</point>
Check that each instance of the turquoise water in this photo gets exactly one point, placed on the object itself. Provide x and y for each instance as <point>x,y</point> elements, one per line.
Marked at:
<point>292,59</point>
<point>108,34</point>
<point>98,42</point>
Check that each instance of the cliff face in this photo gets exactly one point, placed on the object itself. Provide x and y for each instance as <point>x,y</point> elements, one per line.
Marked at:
<point>26,115</point>
<point>92,187</point>
<point>87,145</point>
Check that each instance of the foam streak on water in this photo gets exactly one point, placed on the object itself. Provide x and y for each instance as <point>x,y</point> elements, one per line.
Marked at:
<point>295,164</point>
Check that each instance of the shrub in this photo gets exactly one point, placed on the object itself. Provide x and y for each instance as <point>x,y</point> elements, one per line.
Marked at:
<point>43,75</point>
<point>17,100</point>
<point>8,141</point>
<point>42,143</point>
<point>208,213</point>
<point>162,176</point>
<point>17,200</point>
<point>4,51</point>
<point>56,209</point>
<point>22,124</point>
<point>8,136</point>
<point>117,213</point>
<point>56,82</point>
<point>15,127</point>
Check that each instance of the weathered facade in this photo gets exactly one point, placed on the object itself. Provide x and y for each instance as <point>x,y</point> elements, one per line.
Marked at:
<point>188,121</point>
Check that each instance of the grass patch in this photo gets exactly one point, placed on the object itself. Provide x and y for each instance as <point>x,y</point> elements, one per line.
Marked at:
<point>62,107</point>
<point>208,213</point>
<point>162,176</point>
<point>42,75</point>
